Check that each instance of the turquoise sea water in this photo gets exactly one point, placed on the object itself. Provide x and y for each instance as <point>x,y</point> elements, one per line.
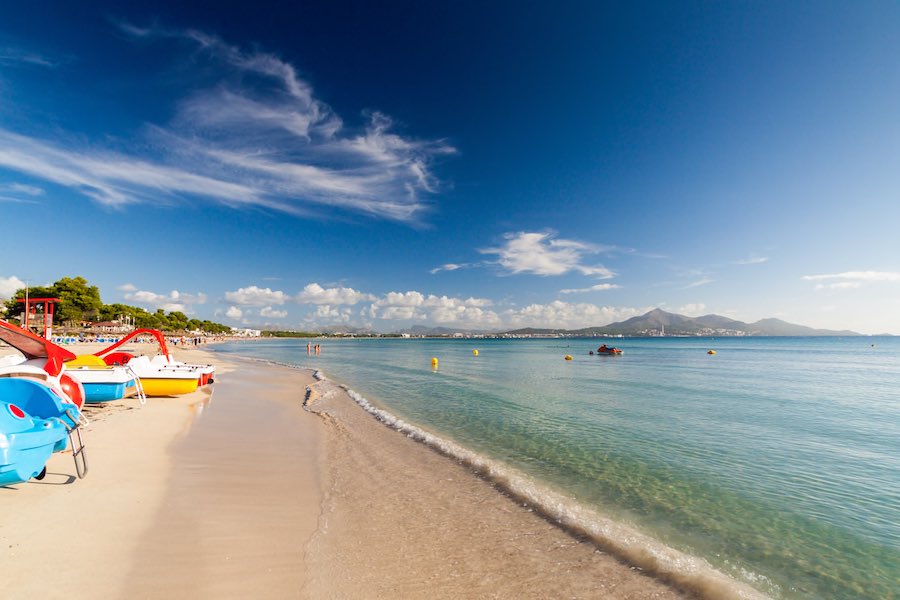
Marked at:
<point>777,459</point>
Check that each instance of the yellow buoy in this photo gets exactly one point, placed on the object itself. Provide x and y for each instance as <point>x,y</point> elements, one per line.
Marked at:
<point>710,351</point>
<point>568,357</point>
<point>434,362</point>
<point>475,352</point>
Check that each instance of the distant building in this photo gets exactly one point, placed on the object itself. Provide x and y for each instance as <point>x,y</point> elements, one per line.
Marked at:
<point>246,332</point>
<point>109,327</point>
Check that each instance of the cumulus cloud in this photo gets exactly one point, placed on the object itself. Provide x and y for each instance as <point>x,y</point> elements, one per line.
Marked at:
<point>849,280</point>
<point>567,315</point>
<point>695,309</point>
<point>271,313</point>
<point>234,312</point>
<point>256,296</point>
<point>253,134</point>
<point>441,310</point>
<point>316,294</point>
<point>127,287</point>
<point>543,254</point>
<point>9,286</point>
<point>173,301</point>
<point>600,287</point>
<point>331,314</point>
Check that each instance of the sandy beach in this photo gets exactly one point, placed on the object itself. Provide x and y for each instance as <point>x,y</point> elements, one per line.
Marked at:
<point>238,491</point>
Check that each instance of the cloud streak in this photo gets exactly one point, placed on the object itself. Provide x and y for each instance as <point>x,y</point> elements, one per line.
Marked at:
<point>849,280</point>
<point>17,56</point>
<point>600,287</point>
<point>254,135</point>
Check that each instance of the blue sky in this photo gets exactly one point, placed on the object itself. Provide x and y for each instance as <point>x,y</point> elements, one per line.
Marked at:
<point>474,165</point>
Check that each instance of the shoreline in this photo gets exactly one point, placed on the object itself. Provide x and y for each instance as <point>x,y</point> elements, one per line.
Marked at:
<point>499,507</point>
<point>240,490</point>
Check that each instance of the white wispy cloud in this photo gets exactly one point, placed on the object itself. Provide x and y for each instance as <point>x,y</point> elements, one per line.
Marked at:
<point>752,260</point>
<point>173,301</point>
<point>450,267</point>
<point>699,282</point>
<point>271,144</point>
<point>541,253</point>
<point>234,312</point>
<point>23,188</point>
<point>18,56</point>
<point>316,294</point>
<point>9,286</point>
<point>858,276</point>
<point>600,287</point>
<point>256,296</point>
<point>19,193</point>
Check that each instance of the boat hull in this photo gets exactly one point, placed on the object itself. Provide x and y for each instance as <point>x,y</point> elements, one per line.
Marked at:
<point>26,444</point>
<point>106,392</point>
<point>167,386</point>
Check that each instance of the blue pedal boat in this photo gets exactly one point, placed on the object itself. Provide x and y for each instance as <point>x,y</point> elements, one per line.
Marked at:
<point>34,423</point>
<point>104,384</point>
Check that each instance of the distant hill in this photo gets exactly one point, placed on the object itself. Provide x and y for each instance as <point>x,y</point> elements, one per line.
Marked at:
<point>657,322</point>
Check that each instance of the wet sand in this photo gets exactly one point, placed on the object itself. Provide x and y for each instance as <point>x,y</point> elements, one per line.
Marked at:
<point>403,521</point>
<point>241,493</point>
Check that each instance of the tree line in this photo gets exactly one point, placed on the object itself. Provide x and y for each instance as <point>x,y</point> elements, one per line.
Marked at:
<point>79,302</point>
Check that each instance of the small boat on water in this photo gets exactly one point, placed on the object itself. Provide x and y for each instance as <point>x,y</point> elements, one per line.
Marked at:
<point>604,349</point>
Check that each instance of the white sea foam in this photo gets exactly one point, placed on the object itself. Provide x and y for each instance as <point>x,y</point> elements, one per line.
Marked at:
<point>685,571</point>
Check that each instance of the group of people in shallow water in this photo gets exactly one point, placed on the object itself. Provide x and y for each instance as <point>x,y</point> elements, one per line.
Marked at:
<point>310,348</point>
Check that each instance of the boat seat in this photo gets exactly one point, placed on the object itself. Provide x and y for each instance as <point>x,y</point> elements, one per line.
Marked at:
<point>33,397</point>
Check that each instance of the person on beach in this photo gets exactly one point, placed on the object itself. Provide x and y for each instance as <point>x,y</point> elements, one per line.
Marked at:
<point>308,347</point>
<point>317,349</point>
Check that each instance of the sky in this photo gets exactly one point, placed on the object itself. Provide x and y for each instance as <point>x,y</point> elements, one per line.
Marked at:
<point>472,165</point>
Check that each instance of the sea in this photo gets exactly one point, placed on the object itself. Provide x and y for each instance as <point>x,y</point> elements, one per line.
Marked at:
<point>777,460</point>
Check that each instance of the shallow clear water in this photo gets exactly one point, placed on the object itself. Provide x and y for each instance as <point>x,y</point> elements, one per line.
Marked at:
<point>777,459</point>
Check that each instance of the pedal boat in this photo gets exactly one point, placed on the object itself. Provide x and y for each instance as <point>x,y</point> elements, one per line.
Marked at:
<point>102,383</point>
<point>163,380</point>
<point>163,361</point>
<point>34,423</point>
<point>26,443</point>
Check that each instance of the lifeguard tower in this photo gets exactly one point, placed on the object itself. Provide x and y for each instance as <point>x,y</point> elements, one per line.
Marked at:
<point>32,318</point>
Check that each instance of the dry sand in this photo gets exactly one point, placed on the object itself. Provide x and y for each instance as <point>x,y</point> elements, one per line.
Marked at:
<point>238,492</point>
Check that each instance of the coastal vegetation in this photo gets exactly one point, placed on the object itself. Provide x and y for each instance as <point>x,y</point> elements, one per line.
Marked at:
<point>80,307</point>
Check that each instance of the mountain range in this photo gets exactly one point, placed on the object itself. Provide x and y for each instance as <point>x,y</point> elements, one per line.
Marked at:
<point>660,322</point>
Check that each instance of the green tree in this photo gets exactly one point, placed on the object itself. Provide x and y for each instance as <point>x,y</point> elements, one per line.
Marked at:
<point>14,308</point>
<point>78,300</point>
